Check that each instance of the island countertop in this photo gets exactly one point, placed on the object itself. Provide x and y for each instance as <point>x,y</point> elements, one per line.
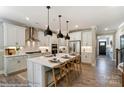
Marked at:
<point>37,67</point>
<point>42,60</point>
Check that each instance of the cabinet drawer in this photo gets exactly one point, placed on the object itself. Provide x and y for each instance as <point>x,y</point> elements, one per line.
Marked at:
<point>86,57</point>
<point>14,64</point>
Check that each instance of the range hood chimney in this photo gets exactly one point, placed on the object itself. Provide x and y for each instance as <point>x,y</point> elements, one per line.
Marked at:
<point>31,33</point>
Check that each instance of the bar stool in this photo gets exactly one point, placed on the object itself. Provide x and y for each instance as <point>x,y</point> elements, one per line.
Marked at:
<point>78,67</point>
<point>71,70</point>
<point>59,72</point>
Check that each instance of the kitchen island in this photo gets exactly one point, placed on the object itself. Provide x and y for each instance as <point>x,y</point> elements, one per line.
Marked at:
<point>36,68</point>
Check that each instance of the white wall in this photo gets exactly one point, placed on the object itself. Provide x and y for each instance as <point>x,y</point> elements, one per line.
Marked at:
<point>117,37</point>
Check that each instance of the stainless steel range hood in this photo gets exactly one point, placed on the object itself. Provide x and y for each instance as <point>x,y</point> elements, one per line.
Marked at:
<point>31,38</point>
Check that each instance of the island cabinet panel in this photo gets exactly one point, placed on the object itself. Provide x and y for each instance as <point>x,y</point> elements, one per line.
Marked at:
<point>35,74</point>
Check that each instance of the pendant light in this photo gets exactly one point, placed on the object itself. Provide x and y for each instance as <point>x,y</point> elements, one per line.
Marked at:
<point>60,35</point>
<point>67,37</point>
<point>48,31</point>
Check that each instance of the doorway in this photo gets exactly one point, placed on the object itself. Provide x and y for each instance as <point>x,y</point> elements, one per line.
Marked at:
<point>102,48</point>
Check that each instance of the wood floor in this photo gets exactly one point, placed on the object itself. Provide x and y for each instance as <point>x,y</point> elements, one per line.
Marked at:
<point>103,75</point>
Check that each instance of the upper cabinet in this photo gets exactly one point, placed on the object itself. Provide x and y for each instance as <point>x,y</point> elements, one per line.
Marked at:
<point>75,36</point>
<point>13,34</point>
<point>1,35</point>
<point>87,38</point>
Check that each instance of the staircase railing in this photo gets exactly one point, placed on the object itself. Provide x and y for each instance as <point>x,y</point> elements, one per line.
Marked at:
<point>118,51</point>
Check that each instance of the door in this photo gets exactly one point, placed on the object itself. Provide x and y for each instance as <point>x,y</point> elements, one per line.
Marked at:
<point>102,48</point>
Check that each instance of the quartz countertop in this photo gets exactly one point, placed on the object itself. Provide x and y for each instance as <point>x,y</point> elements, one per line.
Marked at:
<point>42,60</point>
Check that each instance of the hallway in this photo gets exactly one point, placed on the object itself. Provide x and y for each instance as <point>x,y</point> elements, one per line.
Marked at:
<point>104,75</point>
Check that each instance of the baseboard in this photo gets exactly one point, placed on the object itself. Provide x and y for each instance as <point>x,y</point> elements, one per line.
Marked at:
<point>92,64</point>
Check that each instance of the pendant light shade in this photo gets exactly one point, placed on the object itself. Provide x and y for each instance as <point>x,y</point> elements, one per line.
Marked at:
<point>67,37</point>
<point>48,31</point>
<point>60,35</point>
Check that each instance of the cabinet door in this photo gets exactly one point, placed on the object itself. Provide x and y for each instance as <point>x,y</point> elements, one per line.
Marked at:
<point>87,38</point>
<point>1,62</point>
<point>75,36</point>
<point>86,57</point>
<point>9,34</point>
<point>1,35</point>
<point>84,38</point>
<point>20,35</point>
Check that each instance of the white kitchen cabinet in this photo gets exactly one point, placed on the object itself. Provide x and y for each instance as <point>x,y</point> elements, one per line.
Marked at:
<point>1,35</point>
<point>86,38</point>
<point>20,35</point>
<point>14,63</point>
<point>13,34</point>
<point>1,62</point>
<point>88,44</point>
<point>75,36</point>
<point>35,74</point>
<point>86,57</point>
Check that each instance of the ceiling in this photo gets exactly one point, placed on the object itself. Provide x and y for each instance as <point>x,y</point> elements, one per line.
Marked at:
<point>109,17</point>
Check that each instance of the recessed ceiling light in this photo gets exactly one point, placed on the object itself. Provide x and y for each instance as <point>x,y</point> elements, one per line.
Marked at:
<point>27,18</point>
<point>106,29</point>
<point>76,26</point>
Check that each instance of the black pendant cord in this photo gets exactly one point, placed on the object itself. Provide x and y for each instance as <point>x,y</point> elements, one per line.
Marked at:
<point>60,22</point>
<point>67,26</point>
<point>48,14</point>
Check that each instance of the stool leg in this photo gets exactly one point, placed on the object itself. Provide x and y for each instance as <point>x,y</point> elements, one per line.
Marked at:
<point>54,78</point>
<point>46,79</point>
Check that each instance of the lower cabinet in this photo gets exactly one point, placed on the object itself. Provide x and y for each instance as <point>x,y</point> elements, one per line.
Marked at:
<point>86,57</point>
<point>14,64</point>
